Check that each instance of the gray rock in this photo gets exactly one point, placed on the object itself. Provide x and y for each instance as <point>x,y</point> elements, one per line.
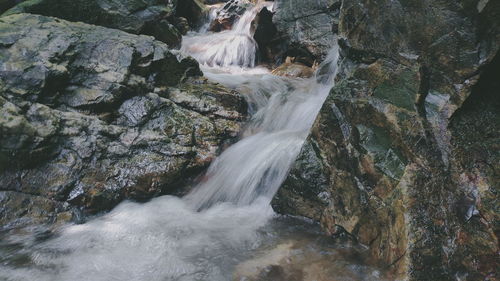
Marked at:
<point>102,115</point>
<point>308,27</point>
<point>135,16</point>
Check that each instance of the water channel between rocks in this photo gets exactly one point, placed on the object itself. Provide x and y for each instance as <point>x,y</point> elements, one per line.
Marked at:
<point>225,229</point>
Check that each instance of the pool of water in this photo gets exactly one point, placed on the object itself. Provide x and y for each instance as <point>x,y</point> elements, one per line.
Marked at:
<point>166,239</point>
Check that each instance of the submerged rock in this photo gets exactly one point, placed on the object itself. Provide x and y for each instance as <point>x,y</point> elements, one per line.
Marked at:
<point>302,260</point>
<point>134,16</point>
<point>390,159</point>
<point>92,116</point>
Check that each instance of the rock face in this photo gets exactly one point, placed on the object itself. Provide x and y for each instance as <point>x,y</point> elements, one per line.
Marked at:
<point>150,17</point>
<point>306,28</point>
<point>92,116</point>
<point>404,154</point>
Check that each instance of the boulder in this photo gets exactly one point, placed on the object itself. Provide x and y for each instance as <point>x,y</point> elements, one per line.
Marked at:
<point>290,69</point>
<point>192,10</point>
<point>229,14</point>
<point>133,16</point>
<point>394,158</point>
<point>103,116</point>
<point>182,24</point>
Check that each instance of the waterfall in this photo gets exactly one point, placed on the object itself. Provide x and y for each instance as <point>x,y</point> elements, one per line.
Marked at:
<point>206,234</point>
<point>256,166</point>
<point>231,47</point>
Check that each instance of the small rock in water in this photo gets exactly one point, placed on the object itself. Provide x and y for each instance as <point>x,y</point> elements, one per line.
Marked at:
<point>293,69</point>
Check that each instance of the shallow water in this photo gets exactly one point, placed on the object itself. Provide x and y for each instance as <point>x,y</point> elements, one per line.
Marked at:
<point>225,229</point>
<point>166,240</point>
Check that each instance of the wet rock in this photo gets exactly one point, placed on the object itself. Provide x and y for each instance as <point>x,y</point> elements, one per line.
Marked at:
<point>166,32</point>
<point>266,37</point>
<point>306,28</point>
<point>181,24</point>
<point>228,14</point>
<point>301,260</point>
<point>103,116</point>
<point>21,209</point>
<point>211,2</point>
<point>192,10</point>
<point>392,139</point>
<point>134,16</point>
<point>289,69</point>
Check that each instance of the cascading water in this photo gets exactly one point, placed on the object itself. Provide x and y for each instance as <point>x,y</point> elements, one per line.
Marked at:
<point>258,164</point>
<point>226,220</point>
<point>232,47</point>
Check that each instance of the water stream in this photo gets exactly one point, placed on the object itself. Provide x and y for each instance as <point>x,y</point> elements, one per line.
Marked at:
<point>225,229</point>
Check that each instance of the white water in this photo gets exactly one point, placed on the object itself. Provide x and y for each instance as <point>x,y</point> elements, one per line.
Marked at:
<point>234,47</point>
<point>168,238</point>
<point>258,164</point>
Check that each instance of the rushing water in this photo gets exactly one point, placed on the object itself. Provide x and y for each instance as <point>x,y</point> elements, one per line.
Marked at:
<point>225,228</point>
<point>235,47</point>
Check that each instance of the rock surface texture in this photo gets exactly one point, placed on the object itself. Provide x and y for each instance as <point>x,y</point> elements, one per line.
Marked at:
<point>404,155</point>
<point>306,29</point>
<point>150,17</point>
<point>92,116</point>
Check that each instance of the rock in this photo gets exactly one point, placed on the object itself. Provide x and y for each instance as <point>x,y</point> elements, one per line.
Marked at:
<point>7,4</point>
<point>19,209</point>
<point>103,116</point>
<point>212,2</point>
<point>228,14</point>
<point>192,10</point>
<point>134,16</point>
<point>181,24</point>
<point>266,37</point>
<point>306,28</point>
<point>164,31</point>
<point>390,157</point>
<point>297,259</point>
<point>289,69</point>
